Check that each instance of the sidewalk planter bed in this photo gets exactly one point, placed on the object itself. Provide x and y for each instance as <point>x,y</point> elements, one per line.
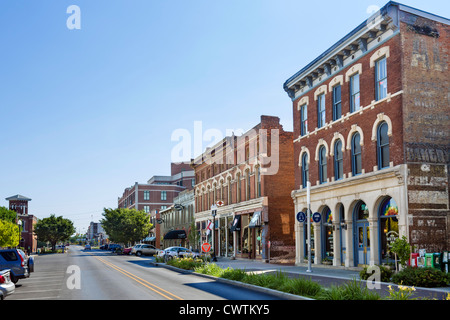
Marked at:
<point>305,287</point>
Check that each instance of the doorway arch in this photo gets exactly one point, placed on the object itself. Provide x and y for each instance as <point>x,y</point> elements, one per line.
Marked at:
<point>327,234</point>
<point>361,233</point>
<point>388,230</point>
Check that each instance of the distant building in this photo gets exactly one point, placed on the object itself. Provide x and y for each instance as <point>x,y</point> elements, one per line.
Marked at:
<point>176,222</point>
<point>28,239</point>
<point>96,233</point>
<point>159,191</point>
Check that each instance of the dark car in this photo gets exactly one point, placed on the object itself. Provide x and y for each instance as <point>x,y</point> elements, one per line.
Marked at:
<point>114,247</point>
<point>19,264</point>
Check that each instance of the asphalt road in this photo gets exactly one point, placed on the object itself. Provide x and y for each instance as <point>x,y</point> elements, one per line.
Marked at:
<point>101,275</point>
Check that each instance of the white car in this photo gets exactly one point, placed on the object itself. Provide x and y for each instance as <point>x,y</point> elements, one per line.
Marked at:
<point>178,252</point>
<point>7,287</point>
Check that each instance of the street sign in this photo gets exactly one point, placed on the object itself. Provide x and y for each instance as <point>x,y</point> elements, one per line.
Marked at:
<point>206,247</point>
<point>220,203</point>
<point>301,217</point>
<point>316,217</point>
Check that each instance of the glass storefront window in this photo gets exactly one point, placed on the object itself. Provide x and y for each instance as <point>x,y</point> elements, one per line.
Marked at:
<point>388,228</point>
<point>327,233</point>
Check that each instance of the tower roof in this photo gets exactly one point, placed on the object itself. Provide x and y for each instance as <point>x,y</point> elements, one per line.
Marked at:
<point>18,197</point>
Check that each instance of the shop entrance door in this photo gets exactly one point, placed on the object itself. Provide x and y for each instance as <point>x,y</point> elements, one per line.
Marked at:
<point>363,243</point>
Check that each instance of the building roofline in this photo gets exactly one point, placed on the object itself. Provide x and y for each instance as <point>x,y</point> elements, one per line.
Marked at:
<point>385,13</point>
<point>18,197</point>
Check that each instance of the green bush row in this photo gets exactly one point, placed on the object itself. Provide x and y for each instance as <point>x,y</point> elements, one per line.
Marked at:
<point>419,277</point>
<point>299,286</point>
<point>352,290</point>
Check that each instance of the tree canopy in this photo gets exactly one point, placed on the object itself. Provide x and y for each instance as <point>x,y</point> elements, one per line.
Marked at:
<point>54,229</point>
<point>126,225</point>
<point>9,230</point>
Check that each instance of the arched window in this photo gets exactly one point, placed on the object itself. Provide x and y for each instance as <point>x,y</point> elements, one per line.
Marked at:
<point>248,187</point>
<point>327,234</point>
<point>338,160</point>
<point>305,170</point>
<point>238,187</point>
<point>258,181</point>
<point>383,146</point>
<point>304,120</point>
<point>356,154</point>
<point>388,214</point>
<point>322,164</point>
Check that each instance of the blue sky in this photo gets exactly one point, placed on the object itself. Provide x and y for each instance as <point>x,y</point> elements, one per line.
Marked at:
<point>86,113</point>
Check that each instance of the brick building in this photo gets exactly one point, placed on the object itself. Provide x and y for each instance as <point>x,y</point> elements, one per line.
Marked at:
<point>371,128</point>
<point>28,239</point>
<point>250,178</point>
<point>175,222</point>
<point>159,191</point>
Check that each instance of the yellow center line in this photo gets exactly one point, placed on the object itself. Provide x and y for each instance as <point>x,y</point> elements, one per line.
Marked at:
<point>145,283</point>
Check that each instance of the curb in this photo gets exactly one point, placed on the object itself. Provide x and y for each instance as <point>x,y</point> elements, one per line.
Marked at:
<point>280,294</point>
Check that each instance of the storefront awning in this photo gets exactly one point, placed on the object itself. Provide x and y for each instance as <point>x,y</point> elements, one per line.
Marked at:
<point>256,220</point>
<point>236,225</point>
<point>175,234</point>
<point>150,239</point>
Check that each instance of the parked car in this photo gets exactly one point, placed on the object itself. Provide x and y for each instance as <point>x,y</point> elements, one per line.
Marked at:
<point>144,249</point>
<point>171,252</point>
<point>127,250</point>
<point>87,247</point>
<point>7,287</point>
<point>17,261</point>
<point>113,247</point>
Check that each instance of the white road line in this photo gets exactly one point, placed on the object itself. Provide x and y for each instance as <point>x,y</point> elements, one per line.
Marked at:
<point>36,291</point>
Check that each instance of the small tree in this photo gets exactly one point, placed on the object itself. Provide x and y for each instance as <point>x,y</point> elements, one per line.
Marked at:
<point>9,234</point>
<point>193,235</point>
<point>402,248</point>
<point>9,230</point>
<point>54,229</point>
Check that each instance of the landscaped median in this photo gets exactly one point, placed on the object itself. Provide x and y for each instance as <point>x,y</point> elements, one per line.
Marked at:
<point>278,283</point>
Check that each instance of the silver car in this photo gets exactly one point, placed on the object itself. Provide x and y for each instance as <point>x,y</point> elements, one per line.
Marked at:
<point>144,249</point>
<point>7,287</point>
<point>171,252</point>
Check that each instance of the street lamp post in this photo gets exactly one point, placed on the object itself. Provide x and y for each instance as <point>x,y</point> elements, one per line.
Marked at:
<point>214,213</point>
<point>308,217</point>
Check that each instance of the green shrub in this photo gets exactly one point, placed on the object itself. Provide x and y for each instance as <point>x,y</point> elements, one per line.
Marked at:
<point>302,286</point>
<point>267,280</point>
<point>210,269</point>
<point>352,290</point>
<point>234,274</point>
<point>421,277</point>
<point>185,263</point>
<point>385,273</point>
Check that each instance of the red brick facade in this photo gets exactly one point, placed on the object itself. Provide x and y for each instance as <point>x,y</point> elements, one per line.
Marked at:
<point>410,121</point>
<point>249,188</point>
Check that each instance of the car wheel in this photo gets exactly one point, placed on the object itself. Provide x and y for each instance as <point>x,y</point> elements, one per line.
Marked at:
<point>13,278</point>
<point>138,253</point>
